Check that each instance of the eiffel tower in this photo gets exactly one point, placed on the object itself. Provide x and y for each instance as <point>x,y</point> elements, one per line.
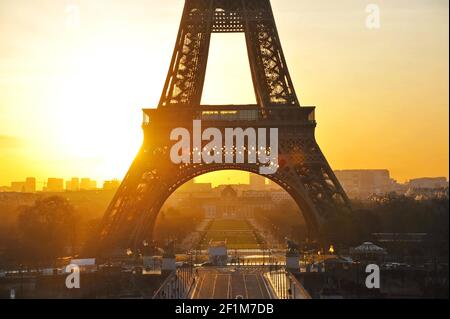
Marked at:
<point>303,170</point>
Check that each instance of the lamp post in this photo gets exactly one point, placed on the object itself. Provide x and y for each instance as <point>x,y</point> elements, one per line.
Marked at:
<point>264,261</point>
<point>21,280</point>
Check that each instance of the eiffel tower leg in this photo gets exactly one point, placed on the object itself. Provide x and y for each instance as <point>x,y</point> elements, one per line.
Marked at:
<point>121,217</point>
<point>185,80</point>
<point>315,187</point>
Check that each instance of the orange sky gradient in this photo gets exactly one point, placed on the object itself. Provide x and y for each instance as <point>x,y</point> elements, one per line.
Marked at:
<point>74,76</point>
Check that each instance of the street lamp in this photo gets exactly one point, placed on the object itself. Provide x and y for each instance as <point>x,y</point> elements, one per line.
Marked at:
<point>331,250</point>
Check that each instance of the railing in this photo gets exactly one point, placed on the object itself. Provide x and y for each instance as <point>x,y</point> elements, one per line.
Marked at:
<point>243,114</point>
<point>285,285</point>
<point>229,115</point>
<point>177,285</point>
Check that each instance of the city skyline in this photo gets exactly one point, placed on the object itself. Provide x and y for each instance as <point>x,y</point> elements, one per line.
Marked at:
<point>91,127</point>
<point>215,178</point>
<point>351,176</point>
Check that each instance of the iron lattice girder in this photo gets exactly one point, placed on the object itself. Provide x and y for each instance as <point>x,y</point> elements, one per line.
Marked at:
<point>271,80</point>
<point>228,16</point>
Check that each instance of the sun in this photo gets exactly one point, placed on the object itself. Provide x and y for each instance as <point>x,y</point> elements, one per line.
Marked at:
<point>98,116</point>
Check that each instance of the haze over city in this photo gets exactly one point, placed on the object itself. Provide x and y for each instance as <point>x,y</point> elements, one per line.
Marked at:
<point>99,58</point>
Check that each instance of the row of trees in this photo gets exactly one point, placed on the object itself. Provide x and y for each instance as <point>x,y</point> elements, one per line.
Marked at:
<point>174,224</point>
<point>395,214</point>
<point>283,220</point>
<point>44,231</point>
<point>51,228</point>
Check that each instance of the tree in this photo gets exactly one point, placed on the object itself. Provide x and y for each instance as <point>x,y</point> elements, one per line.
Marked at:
<point>45,229</point>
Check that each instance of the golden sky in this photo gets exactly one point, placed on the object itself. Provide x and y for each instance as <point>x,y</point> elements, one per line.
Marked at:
<point>74,76</point>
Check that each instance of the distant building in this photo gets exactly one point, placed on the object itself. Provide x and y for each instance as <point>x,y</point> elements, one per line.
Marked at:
<point>30,185</point>
<point>193,190</point>
<point>280,196</point>
<point>18,187</point>
<point>428,193</point>
<point>54,185</point>
<point>111,185</point>
<point>87,184</point>
<point>428,182</point>
<point>239,188</point>
<point>365,182</point>
<point>257,182</point>
<point>413,238</point>
<point>4,189</point>
<point>73,185</point>
<point>254,194</point>
<point>193,187</point>
<point>229,204</point>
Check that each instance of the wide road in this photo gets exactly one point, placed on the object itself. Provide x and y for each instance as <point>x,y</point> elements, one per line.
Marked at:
<point>229,283</point>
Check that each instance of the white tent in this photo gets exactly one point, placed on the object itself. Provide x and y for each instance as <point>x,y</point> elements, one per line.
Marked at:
<point>368,248</point>
<point>83,262</point>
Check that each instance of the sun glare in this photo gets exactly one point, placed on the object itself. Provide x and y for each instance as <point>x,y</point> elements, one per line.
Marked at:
<point>99,108</point>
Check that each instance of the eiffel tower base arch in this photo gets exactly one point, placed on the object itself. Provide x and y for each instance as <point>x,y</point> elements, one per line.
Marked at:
<point>303,172</point>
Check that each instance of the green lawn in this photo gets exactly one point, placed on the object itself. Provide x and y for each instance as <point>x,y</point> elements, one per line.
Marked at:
<point>230,224</point>
<point>237,232</point>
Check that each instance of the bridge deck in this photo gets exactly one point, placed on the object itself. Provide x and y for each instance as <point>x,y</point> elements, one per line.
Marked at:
<point>227,283</point>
